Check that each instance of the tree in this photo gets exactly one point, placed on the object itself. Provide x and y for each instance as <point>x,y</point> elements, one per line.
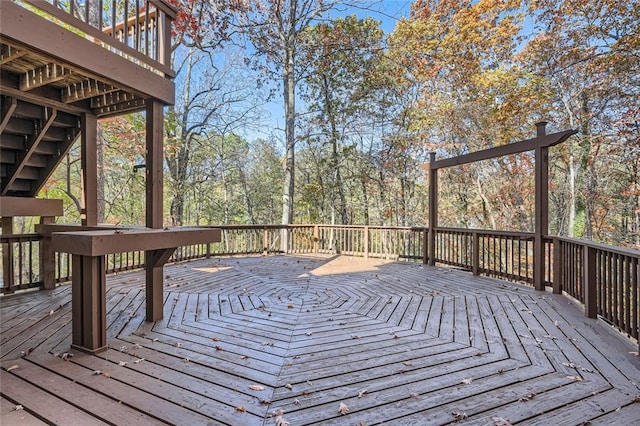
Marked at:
<point>276,30</point>
<point>341,55</point>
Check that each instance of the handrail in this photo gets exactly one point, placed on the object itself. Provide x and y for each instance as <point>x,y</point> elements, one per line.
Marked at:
<point>147,40</point>
<point>604,278</point>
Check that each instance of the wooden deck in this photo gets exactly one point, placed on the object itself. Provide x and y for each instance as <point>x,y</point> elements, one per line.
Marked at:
<point>271,340</point>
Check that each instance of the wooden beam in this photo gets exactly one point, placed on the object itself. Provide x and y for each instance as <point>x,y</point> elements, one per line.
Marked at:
<point>85,90</point>
<point>154,162</point>
<point>128,106</point>
<point>42,76</point>
<point>23,206</point>
<point>541,209</point>
<point>23,156</point>
<point>433,210</point>
<point>7,253</point>
<point>116,97</point>
<point>499,151</point>
<point>89,161</point>
<point>7,112</point>
<point>10,53</point>
<point>99,243</point>
<point>37,99</point>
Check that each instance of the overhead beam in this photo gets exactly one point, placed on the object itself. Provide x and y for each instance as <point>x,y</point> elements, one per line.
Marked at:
<point>499,151</point>
<point>131,105</point>
<point>23,156</point>
<point>42,76</point>
<point>109,99</point>
<point>23,206</point>
<point>85,90</point>
<point>10,53</point>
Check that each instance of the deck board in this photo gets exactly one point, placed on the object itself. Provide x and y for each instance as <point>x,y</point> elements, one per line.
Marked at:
<point>398,343</point>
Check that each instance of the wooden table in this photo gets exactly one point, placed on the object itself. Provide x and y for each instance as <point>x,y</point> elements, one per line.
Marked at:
<point>88,250</point>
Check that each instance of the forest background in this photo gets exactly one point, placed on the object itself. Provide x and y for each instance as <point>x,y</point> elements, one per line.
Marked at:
<point>358,109</point>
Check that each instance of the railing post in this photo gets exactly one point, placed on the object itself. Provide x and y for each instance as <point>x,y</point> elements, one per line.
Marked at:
<point>590,283</point>
<point>265,241</point>
<point>558,266</point>
<point>475,253</point>
<point>433,207</point>
<point>7,255</point>
<point>208,254</point>
<point>47,258</point>
<point>316,238</point>
<point>366,242</point>
<point>425,245</point>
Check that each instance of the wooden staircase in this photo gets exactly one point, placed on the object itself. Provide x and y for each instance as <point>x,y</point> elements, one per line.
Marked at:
<point>33,140</point>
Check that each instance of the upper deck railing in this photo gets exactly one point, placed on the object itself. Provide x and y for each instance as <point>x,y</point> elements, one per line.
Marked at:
<point>139,30</point>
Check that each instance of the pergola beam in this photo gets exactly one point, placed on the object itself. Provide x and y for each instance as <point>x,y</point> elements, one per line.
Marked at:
<point>508,149</point>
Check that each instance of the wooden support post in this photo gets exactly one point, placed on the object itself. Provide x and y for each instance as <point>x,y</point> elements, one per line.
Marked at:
<point>47,258</point>
<point>541,208</point>
<point>316,238</point>
<point>425,245</point>
<point>366,242</point>
<point>590,282</point>
<point>89,161</point>
<point>265,241</point>
<point>558,267</point>
<point>153,215</point>
<point>475,253</point>
<point>88,302</point>
<point>7,254</point>
<point>433,208</point>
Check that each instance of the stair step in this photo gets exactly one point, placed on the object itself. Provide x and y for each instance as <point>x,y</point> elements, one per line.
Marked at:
<point>11,142</point>
<point>30,173</point>
<point>55,134</point>
<point>37,160</point>
<point>19,126</point>
<point>21,185</point>
<point>7,157</point>
<point>47,148</point>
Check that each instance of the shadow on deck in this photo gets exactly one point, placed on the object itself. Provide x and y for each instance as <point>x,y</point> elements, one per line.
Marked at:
<point>270,340</point>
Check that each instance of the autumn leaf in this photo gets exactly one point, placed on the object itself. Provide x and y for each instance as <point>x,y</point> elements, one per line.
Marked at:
<point>138,361</point>
<point>575,378</point>
<point>257,387</point>
<point>241,408</point>
<point>13,367</point>
<point>467,381</point>
<point>362,393</point>
<point>527,398</point>
<point>122,363</point>
<point>288,386</point>
<point>458,416</point>
<point>106,374</point>
<point>215,339</point>
<point>343,409</point>
<point>18,408</point>
<point>290,306</point>
<point>280,421</point>
<point>499,421</point>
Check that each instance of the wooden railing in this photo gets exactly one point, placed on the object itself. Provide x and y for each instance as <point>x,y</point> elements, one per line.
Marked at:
<point>604,278</point>
<point>139,30</point>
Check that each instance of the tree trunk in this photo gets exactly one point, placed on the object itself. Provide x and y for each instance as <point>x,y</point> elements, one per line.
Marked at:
<point>290,122</point>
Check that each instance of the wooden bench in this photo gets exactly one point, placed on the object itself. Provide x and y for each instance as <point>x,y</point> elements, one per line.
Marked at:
<point>88,250</point>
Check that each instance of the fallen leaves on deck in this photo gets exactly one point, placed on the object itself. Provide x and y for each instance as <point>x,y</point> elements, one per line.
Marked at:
<point>458,416</point>
<point>362,393</point>
<point>122,363</point>
<point>241,408</point>
<point>499,421</point>
<point>288,386</point>
<point>18,408</point>
<point>13,367</point>
<point>575,378</point>
<point>256,387</point>
<point>527,398</point>
<point>467,381</point>
<point>343,409</point>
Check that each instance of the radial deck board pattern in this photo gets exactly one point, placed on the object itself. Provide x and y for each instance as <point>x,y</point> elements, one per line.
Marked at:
<point>244,340</point>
